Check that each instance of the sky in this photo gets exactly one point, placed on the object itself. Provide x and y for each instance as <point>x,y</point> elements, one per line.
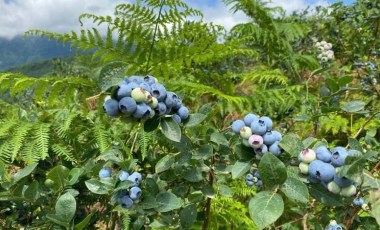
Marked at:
<point>17,16</point>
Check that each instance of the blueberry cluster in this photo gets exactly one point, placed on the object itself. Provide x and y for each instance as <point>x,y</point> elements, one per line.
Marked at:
<point>358,201</point>
<point>257,133</point>
<point>333,225</point>
<point>325,53</point>
<point>367,65</point>
<point>144,97</point>
<point>127,197</point>
<point>253,178</point>
<point>322,166</point>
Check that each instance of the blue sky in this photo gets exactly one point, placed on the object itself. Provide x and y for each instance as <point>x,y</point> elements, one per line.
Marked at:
<point>17,16</point>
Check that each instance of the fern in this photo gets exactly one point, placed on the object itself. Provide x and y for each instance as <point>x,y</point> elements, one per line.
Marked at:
<point>63,151</point>
<point>125,219</point>
<point>145,139</point>
<point>101,137</point>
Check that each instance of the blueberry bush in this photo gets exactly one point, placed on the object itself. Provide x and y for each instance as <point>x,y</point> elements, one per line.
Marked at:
<point>177,123</point>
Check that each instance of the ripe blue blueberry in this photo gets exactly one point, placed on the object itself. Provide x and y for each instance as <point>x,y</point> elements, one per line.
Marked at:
<point>171,99</point>
<point>135,193</point>
<point>125,90</point>
<point>160,109</point>
<point>261,150</point>
<point>177,118</point>
<point>358,201</point>
<point>127,105</point>
<point>125,201</point>
<point>249,183</point>
<point>277,134</point>
<point>338,155</point>
<point>269,138</point>
<point>259,183</point>
<point>268,122</point>
<point>158,91</point>
<point>275,148</point>
<point>258,127</point>
<point>183,112</point>
<point>135,177</point>
<point>136,79</point>
<point>321,170</point>
<point>105,172</point>
<point>149,79</point>
<point>142,110</point>
<point>249,118</point>
<point>111,107</point>
<point>249,176</point>
<point>145,86</point>
<point>237,125</point>
<point>342,181</point>
<point>323,154</point>
<point>123,176</point>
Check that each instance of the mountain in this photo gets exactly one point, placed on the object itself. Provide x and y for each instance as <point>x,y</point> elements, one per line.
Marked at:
<point>19,51</point>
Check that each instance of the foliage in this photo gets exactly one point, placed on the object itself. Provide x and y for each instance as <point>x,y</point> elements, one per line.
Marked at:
<point>55,137</point>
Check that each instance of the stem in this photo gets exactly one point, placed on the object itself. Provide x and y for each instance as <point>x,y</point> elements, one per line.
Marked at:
<point>304,221</point>
<point>208,201</point>
<point>154,37</point>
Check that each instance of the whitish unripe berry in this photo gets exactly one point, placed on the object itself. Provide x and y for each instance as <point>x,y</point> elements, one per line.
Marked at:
<point>333,187</point>
<point>307,155</point>
<point>245,132</point>
<point>348,191</point>
<point>303,168</point>
<point>140,95</point>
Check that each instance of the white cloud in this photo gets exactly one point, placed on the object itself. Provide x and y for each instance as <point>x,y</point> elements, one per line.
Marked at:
<point>18,16</point>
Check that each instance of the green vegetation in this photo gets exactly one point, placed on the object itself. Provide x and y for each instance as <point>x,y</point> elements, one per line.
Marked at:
<point>66,164</point>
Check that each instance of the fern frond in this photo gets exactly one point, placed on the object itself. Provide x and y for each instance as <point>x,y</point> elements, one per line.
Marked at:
<point>101,137</point>
<point>41,135</point>
<point>265,76</point>
<point>125,219</point>
<point>63,151</point>
<point>145,139</point>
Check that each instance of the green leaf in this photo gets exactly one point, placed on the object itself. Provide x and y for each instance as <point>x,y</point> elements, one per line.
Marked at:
<point>272,170</point>
<point>23,173</point>
<point>97,187</point>
<point>192,174</point>
<point>84,222</point>
<point>355,144</point>
<point>204,152</point>
<point>374,200</point>
<point>64,210</point>
<point>164,163</point>
<point>188,216</point>
<point>265,208</point>
<point>167,201</point>
<point>111,74</point>
<point>354,165</point>
<point>226,191</point>
<point>321,194</point>
<point>74,175</point>
<point>59,175</point>
<point>240,168</point>
<point>292,144</point>
<point>295,190</point>
<point>342,81</point>
<point>171,129</point>
<point>332,85</point>
<point>195,119</point>
<point>218,138</point>
<point>309,142</point>
<point>369,181</point>
<point>151,124</point>
<point>31,193</point>
<point>353,106</point>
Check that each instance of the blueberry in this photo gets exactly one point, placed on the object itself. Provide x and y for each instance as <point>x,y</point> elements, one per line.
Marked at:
<point>277,134</point>
<point>259,183</point>
<point>158,91</point>
<point>135,193</point>
<point>136,79</point>
<point>149,79</point>
<point>249,176</point>
<point>177,118</point>
<point>123,176</point>
<point>358,201</point>
<point>125,201</point>
<point>303,168</point>
<point>338,155</point>
<point>321,170</point>
<point>171,99</point>
<point>249,183</point>
<point>348,191</point>
<point>183,112</point>
<point>333,187</point>
<point>268,122</point>
<point>255,141</point>
<point>307,155</point>
<point>258,127</point>
<point>342,181</point>
<point>269,138</point>
<point>125,90</point>
<point>256,174</point>
<point>127,105</point>
<point>160,109</point>
<point>237,125</point>
<point>245,132</point>
<point>105,172</point>
<point>142,110</point>
<point>261,150</point>
<point>249,118</point>
<point>323,153</point>
<point>111,107</point>
<point>145,86</point>
<point>135,177</point>
<point>275,148</point>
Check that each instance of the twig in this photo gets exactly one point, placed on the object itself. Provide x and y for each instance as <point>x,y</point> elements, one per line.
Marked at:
<point>304,221</point>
